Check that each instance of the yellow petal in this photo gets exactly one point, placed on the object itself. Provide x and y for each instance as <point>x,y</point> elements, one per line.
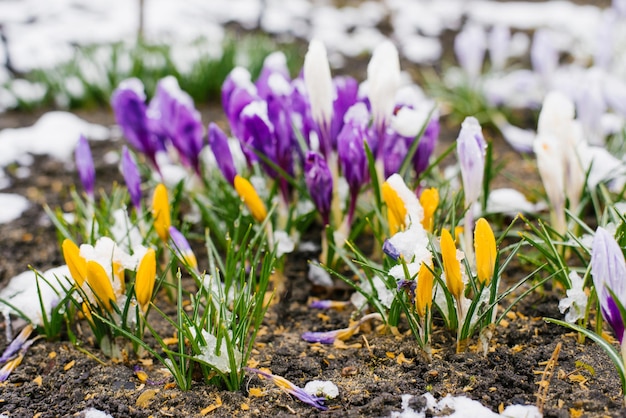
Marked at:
<point>100,284</point>
<point>76,263</point>
<point>145,278</point>
<point>486,252</point>
<point>396,211</point>
<point>424,290</point>
<point>451,265</point>
<point>161,212</point>
<point>429,201</point>
<point>248,194</point>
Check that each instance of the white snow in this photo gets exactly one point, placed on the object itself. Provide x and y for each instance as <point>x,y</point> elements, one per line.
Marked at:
<point>55,134</point>
<point>462,407</point>
<point>12,206</point>
<point>22,290</point>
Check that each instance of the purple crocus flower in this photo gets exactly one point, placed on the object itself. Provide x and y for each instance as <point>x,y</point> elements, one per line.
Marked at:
<point>346,90</point>
<point>275,64</point>
<point>391,250</point>
<point>129,107</point>
<point>471,147</point>
<point>351,151</point>
<point>319,181</point>
<point>329,304</point>
<point>426,146</point>
<point>176,117</point>
<point>329,337</point>
<point>396,149</point>
<point>258,133</point>
<point>288,387</point>
<point>608,270</point>
<point>84,165</point>
<point>16,344</point>
<point>181,247</point>
<point>219,145</point>
<point>130,171</point>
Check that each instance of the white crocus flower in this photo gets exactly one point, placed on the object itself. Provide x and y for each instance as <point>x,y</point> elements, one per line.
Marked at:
<point>383,76</point>
<point>549,162</point>
<point>319,86</point>
<point>556,120</point>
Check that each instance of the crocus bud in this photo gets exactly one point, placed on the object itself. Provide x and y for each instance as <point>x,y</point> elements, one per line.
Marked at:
<point>383,76</point>
<point>471,148</point>
<point>129,107</point>
<point>145,278</point>
<point>426,146</point>
<point>84,165</point>
<point>250,197</point>
<point>549,162</point>
<point>161,212</point>
<point>219,145</point>
<point>320,90</point>
<point>76,264</point>
<point>429,199</point>
<point>319,181</point>
<point>182,248</point>
<point>469,48</point>
<point>451,265</point>
<point>608,269</point>
<point>485,251</point>
<point>544,57</point>
<point>499,41</point>
<point>390,250</point>
<point>130,171</point>
<point>351,149</point>
<point>100,284</point>
<point>424,290</point>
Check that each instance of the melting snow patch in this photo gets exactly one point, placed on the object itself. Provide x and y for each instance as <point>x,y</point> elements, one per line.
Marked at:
<point>94,413</point>
<point>462,407</point>
<point>55,133</point>
<point>22,292</point>
<point>13,205</point>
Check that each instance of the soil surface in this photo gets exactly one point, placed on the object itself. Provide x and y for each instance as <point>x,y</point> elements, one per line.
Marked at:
<point>372,369</point>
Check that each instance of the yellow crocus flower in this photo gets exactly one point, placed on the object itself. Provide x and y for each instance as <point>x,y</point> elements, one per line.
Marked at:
<point>145,278</point>
<point>250,197</point>
<point>161,212</point>
<point>396,211</point>
<point>76,263</point>
<point>100,284</point>
<point>424,290</point>
<point>429,201</point>
<point>451,265</point>
<point>486,251</point>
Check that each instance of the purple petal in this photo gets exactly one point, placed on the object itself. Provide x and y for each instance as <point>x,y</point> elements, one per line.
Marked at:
<point>471,153</point>
<point>130,110</point>
<point>391,250</point>
<point>325,337</point>
<point>426,146</point>
<point>351,149</point>
<point>319,181</point>
<point>219,145</point>
<point>608,270</point>
<point>346,90</point>
<point>130,171</point>
<point>84,165</point>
